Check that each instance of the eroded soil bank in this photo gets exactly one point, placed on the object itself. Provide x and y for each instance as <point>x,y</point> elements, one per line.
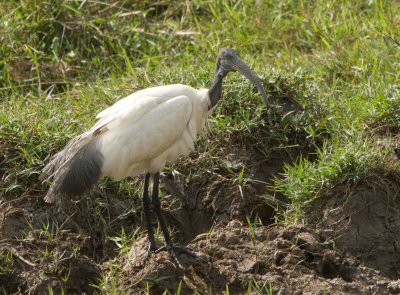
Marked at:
<point>349,245</point>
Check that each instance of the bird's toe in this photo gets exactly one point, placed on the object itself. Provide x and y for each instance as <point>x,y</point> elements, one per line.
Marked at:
<point>176,251</point>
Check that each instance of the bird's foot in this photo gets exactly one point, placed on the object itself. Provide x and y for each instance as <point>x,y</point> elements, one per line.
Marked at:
<point>175,251</point>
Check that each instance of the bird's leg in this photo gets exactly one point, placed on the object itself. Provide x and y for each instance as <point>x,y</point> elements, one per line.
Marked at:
<point>172,249</point>
<point>146,209</point>
<point>157,208</point>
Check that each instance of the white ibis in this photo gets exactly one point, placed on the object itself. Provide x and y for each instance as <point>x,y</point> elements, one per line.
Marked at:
<point>139,134</point>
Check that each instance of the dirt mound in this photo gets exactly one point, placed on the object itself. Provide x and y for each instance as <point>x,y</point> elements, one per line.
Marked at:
<point>284,259</point>
<point>42,248</point>
<point>364,220</point>
<point>33,265</point>
<point>194,206</point>
<point>350,244</point>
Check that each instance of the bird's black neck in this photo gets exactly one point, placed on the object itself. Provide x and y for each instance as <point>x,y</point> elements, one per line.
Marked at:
<point>215,91</point>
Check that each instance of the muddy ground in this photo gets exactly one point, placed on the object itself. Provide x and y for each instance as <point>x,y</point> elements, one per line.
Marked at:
<point>348,244</point>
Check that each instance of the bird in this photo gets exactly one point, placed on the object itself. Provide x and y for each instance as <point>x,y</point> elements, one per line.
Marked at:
<point>139,135</point>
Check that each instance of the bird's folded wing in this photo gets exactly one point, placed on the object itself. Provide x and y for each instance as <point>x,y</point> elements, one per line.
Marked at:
<point>127,142</point>
<point>113,116</point>
<point>131,111</point>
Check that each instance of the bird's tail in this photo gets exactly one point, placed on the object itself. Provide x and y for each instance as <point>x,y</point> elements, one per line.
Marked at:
<point>75,169</point>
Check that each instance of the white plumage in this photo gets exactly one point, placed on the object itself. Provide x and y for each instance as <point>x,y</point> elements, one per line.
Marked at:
<point>138,134</point>
<point>151,127</point>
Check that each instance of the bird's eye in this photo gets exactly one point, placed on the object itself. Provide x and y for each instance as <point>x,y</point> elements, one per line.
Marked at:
<point>228,56</point>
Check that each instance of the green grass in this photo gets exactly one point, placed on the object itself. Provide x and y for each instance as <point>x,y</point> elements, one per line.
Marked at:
<point>62,62</point>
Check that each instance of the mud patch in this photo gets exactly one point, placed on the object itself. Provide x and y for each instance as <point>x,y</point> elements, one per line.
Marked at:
<point>350,246</point>
<point>286,259</point>
<point>35,266</point>
<point>364,220</point>
<point>237,190</point>
<point>44,249</point>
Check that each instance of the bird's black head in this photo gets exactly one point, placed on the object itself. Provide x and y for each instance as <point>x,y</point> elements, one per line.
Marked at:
<point>228,60</point>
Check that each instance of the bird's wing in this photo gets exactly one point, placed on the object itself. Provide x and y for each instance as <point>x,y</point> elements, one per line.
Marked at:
<point>120,104</point>
<point>132,109</point>
<point>146,138</point>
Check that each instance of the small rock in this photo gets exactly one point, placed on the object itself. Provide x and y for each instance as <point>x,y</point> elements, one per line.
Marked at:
<point>231,238</point>
<point>247,264</point>
<point>235,224</point>
<point>278,256</point>
<point>283,244</point>
<point>308,242</point>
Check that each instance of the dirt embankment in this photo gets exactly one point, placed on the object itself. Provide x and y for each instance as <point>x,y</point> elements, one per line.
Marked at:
<point>350,244</point>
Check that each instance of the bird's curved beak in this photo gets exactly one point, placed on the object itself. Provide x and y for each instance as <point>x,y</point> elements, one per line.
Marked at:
<point>239,66</point>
